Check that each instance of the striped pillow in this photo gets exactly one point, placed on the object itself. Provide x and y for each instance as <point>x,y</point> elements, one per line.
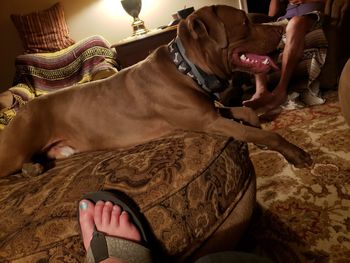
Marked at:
<point>43,31</point>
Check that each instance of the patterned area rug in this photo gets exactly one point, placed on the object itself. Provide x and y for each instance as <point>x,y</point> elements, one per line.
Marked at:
<point>303,215</point>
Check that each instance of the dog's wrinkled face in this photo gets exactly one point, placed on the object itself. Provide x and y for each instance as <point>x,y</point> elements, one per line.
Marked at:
<point>225,33</point>
<point>249,43</point>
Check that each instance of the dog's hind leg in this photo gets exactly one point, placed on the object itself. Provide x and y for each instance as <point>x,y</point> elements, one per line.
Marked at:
<point>60,151</point>
<point>19,141</point>
<point>13,154</point>
<point>11,158</point>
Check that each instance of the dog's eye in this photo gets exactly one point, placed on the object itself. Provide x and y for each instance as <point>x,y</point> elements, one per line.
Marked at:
<point>245,22</point>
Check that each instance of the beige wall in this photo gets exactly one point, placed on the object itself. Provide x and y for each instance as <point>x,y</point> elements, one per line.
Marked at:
<point>86,18</point>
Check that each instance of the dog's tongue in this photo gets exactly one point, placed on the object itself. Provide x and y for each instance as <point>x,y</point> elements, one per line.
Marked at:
<point>259,59</point>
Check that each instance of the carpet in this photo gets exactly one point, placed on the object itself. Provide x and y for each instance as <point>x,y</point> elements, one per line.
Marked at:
<point>303,215</point>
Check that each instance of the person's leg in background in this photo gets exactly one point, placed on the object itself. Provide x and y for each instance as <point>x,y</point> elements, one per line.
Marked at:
<point>264,100</point>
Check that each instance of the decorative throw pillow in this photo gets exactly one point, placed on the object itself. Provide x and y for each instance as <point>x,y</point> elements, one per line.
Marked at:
<point>43,31</point>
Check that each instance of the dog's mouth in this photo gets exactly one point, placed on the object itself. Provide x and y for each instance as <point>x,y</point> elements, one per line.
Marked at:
<point>252,63</point>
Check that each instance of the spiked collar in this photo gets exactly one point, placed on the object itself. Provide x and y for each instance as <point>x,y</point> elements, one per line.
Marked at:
<point>210,84</point>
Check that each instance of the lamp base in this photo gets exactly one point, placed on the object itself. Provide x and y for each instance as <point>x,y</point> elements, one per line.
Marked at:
<point>138,27</point>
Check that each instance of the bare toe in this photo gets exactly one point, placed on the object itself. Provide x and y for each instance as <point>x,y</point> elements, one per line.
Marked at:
<point>116,211</point>
<point>86,219</point>
<point>132,232</point>
<point>106,214</point>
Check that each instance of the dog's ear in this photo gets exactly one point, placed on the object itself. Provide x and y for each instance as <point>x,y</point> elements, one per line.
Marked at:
<point>196,27</point>
<point>210,27</point>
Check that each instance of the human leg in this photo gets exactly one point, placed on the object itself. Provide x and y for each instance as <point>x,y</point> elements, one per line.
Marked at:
<point>264,100</point>
<point>296,30</point>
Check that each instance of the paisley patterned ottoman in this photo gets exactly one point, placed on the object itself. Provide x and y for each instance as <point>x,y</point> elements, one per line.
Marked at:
<point>196,190</point>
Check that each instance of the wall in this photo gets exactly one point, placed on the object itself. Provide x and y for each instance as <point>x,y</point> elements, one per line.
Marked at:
<point>86,18</point>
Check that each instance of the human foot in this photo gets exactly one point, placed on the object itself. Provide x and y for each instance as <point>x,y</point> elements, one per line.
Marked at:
<point>266,101</point>
<point>117,236</point>
<point>108,219</point>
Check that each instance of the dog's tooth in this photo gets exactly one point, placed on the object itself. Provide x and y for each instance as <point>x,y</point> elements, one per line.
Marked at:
<point>243,57</point>
<point>266,61</point>
<point>248,60</point>
<point>255,61</point>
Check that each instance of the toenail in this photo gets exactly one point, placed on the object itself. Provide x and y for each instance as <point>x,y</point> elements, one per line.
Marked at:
<point>83,205</point>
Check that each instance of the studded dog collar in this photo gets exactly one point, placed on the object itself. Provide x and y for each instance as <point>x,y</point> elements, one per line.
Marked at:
<point>211,84</point>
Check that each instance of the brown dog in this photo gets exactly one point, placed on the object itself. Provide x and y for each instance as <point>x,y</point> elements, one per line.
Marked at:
<point>163,93</point>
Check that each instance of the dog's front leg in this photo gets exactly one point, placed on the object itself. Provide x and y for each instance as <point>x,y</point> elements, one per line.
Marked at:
<point>223,126</point>
<point>241,114</point>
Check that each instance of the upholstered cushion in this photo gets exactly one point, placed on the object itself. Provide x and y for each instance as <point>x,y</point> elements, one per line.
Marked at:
<point>186,185</point>
<point>43,31</point>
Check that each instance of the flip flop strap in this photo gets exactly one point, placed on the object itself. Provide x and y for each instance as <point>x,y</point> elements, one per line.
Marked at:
<point>129,251</point>
<point>103,247</point>
<point>99,247</point>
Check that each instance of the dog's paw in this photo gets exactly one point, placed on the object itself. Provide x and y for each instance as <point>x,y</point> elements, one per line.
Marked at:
<point>298,157</point>
<point>303,161</point>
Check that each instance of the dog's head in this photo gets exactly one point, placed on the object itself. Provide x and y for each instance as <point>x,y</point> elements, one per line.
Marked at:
<point>221,39</point>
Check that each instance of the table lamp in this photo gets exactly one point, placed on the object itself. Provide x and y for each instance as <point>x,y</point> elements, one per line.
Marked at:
<point>133,8</point>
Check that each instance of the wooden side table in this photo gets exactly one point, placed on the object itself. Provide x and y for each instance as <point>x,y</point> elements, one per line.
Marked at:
<point>134,49</point>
